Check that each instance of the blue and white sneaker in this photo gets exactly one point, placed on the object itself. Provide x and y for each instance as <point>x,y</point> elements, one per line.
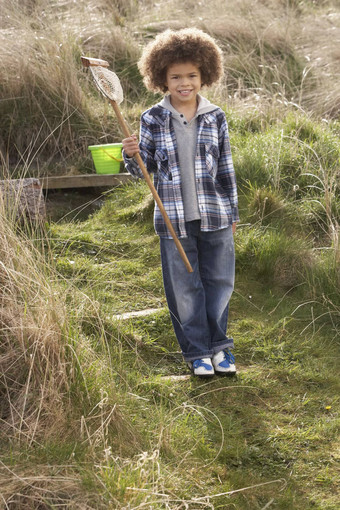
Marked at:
<point>224,363</point>
<point>202,367</point>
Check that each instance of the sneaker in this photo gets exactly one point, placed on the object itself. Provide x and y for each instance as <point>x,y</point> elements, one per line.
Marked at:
<point>224,362</point>
<point>201,367</point>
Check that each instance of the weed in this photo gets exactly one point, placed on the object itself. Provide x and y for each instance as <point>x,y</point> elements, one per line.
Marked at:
<point>265,205</point>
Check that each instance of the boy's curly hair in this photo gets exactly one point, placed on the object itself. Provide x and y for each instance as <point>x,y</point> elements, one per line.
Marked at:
<point>173,47</point>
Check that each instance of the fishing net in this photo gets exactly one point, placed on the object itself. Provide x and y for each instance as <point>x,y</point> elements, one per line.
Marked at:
<point>108,83</point>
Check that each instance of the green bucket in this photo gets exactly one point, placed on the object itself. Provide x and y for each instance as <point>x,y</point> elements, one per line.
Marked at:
<point>107,157</point>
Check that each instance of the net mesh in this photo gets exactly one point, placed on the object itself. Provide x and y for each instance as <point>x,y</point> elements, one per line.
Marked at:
<point>108,83</point>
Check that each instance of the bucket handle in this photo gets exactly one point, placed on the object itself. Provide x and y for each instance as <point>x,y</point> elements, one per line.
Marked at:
<point>119,160</point>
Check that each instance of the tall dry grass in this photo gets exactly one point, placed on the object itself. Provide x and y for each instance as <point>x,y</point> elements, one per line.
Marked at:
<point>46,117</point>
<point>55,386</point>
<point>50,112</point>
<point>275,49</point>
<point>34,365</point>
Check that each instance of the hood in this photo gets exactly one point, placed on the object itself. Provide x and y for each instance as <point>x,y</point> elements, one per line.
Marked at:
<point>204,106</point>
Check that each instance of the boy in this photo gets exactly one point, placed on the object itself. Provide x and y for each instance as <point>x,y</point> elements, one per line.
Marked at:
<point>184,141</point>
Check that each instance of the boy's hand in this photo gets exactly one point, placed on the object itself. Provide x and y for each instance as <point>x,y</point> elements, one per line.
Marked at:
<point>234,227</point>
<point>130,146</point>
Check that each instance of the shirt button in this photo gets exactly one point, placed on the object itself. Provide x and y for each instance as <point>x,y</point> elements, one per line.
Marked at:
<point>182,115</point>
<point>185,122</point>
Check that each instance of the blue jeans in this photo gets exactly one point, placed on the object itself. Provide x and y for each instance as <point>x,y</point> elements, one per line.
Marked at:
<point>198,301</point>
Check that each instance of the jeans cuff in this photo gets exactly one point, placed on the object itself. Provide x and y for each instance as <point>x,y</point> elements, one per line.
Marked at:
<point>220,346</point>
<point>193,357</point>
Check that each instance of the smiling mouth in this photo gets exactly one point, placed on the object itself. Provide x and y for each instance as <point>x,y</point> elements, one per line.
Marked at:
<point>185,92</point>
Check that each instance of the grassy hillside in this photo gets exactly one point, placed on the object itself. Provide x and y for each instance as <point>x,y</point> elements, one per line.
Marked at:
<point>97,409</point>
<point>131,428</point>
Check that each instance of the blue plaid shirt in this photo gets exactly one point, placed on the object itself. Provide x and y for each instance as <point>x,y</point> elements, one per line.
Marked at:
<point>214,170</point>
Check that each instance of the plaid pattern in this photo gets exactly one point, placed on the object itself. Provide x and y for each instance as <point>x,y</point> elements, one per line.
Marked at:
<point>215,176</point>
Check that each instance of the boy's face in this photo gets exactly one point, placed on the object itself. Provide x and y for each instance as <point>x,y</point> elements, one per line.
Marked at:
<point>183,81</point>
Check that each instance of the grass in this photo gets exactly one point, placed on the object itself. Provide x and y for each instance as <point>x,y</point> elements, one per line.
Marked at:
<point>144,435</point>
<point>130,427</point>
<point>99,411</point>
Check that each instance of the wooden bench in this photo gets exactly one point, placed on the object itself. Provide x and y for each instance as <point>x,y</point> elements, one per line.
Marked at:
<point>25,198</point>
<point>84,181</point>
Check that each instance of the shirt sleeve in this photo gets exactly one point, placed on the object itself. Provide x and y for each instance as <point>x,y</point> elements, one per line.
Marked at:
<point>226,171</point>
<point>147,151</point>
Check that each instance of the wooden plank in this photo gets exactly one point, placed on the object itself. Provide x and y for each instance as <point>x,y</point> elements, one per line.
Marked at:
<point>84,181</point>
<point>140,313</point>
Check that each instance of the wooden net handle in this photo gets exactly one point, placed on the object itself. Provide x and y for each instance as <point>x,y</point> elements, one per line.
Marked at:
<point>153,190</point>
<point>88,62</point>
